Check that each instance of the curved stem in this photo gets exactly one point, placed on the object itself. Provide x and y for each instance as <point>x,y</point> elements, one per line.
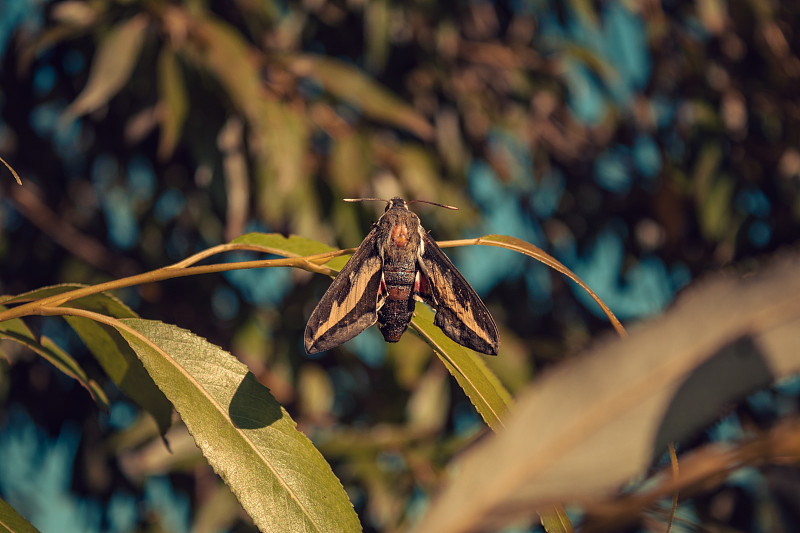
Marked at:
<point>312,263</point>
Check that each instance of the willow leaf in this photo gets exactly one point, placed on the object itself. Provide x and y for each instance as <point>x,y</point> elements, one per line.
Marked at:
<point>112,66</point>
<point>13,522</point>
<point>110,350</point>
<point>482,387</point>
<point>279,477</point>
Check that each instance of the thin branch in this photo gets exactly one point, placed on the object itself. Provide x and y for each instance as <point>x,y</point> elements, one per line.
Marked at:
<point>311,263</point>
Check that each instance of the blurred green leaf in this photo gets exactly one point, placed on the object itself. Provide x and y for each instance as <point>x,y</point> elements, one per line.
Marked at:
<point>13,522</point>
<point>316,392</point>
<point>429,404</point>
<point>482,387</point>
<point>418,170</point>
<point>278,476</point>
<point>153,458</point>
<point>173,99</point>
<point>283,185</point>
<point>351,162</point>
<point>112,66</point>
<point>715,214</point>
<point>377,32</point>
<point>713,193</point>
<point>69,366</point>
<point>223,51</point>
<point>280,133</point>
<point>218,513</point>
<point>351,85</point>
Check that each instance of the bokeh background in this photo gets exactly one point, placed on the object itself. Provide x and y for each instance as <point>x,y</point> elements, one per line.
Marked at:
<point>643,144</point>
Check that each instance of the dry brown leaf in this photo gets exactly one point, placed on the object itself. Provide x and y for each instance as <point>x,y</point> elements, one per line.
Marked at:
<point>589,426</point>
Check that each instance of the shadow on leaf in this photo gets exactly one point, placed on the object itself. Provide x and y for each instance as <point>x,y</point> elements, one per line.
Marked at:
<point>252,405</point>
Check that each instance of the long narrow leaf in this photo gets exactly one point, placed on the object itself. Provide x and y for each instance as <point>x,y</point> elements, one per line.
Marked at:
<point>110,350</point>
<point>16,330</point>
<point>350,84</point>
<point>112,66</point>
<point>482,387</point>
<point>292,246</point>
<point>173,99</point>
<point>280,479</point>
<point>13,522</point>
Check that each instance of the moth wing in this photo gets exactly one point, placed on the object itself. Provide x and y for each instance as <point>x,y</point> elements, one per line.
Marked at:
<point>350,305</point>
<point>460,313</point>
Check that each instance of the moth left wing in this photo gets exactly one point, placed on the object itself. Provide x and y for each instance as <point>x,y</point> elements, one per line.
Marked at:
<point>460,313</point>
<point>350,305</point>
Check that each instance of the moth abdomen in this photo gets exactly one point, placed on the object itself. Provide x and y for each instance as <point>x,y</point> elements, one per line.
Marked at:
<point>398,308</point>
<point>394,317</point>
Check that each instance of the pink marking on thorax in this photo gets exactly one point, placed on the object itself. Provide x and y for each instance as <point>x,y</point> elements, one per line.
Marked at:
<point>400,235</point>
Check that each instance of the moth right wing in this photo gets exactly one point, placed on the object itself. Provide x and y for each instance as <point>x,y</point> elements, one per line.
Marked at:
<point>460,313</point>
<point>350,305</point>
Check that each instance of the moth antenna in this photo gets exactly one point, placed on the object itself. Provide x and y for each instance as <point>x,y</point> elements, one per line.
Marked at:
<point>408,202</point>
<point>454,208</point>
<point>365,200</point>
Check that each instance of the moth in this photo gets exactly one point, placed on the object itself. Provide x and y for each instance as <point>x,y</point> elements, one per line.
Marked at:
<point>397,264</point>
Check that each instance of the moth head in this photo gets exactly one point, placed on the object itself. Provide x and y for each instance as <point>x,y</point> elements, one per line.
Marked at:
<point>396,202</point>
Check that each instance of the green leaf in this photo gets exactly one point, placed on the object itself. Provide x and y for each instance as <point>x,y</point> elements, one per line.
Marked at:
<point>43,292</point>
<point>219,512</point>
<point>228,57</point>
<point>280,133</point>
<point>338,262</point>
<point>482,387</point>
<point>278,476</point>
<point>105,303</point>
<point>110,350</point>
<point>173,100</point>
<point>13,522</point>
<point>16,330</point>
<point>292,246</point>
<point>122,365</point>
<point>112,65</point>
<point>350,84</point>
<point>556,520</point>
<point>350,163</point>
<point>63,359</point>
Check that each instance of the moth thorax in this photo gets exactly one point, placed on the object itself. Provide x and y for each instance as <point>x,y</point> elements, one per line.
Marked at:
<point>400,235</point>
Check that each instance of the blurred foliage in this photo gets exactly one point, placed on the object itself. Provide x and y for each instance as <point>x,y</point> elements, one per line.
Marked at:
<point>643,145</point>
